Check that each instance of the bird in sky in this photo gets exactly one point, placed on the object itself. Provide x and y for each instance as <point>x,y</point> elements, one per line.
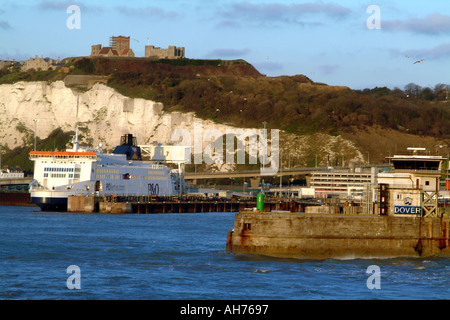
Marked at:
<point>419,61</point>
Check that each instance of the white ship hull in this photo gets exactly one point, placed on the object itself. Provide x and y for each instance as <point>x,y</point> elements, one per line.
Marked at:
<point>58,175</point>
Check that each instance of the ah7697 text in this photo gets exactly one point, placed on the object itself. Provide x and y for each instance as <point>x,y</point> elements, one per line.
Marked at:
<point>245,309</point>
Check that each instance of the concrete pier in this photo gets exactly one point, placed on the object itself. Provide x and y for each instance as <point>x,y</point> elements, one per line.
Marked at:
<point>82,204</point>
<point>322,236</point>
<point>115,207</point>
<point>144,205</point>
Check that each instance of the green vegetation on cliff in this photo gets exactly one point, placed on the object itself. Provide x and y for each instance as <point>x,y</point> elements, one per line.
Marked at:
<point>57,140</point>
<point>235,93</point>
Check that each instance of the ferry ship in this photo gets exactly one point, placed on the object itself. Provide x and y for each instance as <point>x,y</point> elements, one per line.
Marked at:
<point>86,172</point>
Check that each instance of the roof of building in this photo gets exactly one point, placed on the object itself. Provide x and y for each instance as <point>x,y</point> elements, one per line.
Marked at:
<point>106,50</point>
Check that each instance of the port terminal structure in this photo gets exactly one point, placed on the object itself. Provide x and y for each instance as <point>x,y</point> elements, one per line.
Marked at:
<point>401,218</point>
<point>256,174</point>
<point>253,174</point>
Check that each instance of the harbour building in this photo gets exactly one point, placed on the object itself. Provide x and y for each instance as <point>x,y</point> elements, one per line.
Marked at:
<point>343,182</point>
<point>412,186</point>
<point>409,187</point>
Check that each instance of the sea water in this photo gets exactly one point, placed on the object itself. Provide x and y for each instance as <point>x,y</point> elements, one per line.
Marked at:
<point>49,255</point>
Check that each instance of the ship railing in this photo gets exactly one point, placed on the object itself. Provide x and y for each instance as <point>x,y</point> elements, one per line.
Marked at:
<point>419,171</point>
<point>411,186</point>
<point>38,188</point>
<point>158,166</point>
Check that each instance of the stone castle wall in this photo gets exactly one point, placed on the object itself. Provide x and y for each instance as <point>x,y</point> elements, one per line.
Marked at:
<point>171,52</point>
<point>41,63</point>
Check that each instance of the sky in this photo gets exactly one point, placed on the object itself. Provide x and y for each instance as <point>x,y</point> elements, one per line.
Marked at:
<point>355,43</point>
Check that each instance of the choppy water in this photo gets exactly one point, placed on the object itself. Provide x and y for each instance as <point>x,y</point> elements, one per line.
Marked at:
<point>182,256</point>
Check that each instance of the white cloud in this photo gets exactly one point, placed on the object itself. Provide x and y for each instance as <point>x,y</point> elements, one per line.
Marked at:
<point>434,23</point>
<point>149,12</point>
<point>5,25</point>
<point>262,13</point>
<point>328,68</point>
<point>439,52</point>
<point>228,52</point>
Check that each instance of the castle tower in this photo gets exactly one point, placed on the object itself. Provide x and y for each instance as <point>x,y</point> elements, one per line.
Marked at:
<point>120,44</point>
<point>95,49</point>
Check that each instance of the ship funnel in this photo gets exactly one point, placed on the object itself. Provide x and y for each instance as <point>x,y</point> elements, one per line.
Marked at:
<point>129,147</point>
<point>128,140</point>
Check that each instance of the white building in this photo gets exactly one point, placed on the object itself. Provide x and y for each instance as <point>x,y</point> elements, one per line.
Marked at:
<point>11,173</point>
<point>412,187</point>
<point>343,182</point>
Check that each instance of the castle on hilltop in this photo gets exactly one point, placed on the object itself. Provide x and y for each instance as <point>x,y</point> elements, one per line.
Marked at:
<point>35,63</point>
<point>170,53</point>
<point>120,47</point>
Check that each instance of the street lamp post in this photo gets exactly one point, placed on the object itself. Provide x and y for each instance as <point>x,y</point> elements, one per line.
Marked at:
<point>35,122</point>
<point>261,160</point>
<point>281,169</point>
<point>265,138</point>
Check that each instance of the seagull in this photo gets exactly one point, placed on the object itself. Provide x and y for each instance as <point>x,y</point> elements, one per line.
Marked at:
<point>418,61</point>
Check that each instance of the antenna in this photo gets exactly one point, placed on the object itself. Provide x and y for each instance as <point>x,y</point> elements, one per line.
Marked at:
<point>75,141</point>
<point>415,150</point>
<point>78,98</point>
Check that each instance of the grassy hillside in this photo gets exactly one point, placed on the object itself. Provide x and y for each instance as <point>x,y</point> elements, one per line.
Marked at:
<point>235,93</point>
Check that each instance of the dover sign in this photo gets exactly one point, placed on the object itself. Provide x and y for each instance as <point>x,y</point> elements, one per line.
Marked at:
<point>407,210</point>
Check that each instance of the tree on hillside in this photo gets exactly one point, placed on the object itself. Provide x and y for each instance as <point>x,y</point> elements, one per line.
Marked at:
<point>427,94</point>
<point>413,90</point>
<point>441,91</point>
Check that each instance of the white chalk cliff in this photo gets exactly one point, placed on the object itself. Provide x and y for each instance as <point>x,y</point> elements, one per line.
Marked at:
<point>107,115</point>
<point>104,112</point>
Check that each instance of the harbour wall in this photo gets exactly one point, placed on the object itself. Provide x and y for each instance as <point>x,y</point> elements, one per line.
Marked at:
<point>322,236</point>
<point>15,199</point>
<point>82,204</point>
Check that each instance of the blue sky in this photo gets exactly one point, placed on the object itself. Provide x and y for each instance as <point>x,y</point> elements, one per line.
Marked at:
<point>328,41</point>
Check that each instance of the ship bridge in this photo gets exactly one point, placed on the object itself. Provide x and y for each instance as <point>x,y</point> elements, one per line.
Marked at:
<point>62,155</point>
<point>416,161</point>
